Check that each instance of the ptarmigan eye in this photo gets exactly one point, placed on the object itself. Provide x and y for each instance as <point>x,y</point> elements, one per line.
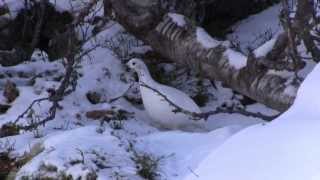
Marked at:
<point>133,63</point>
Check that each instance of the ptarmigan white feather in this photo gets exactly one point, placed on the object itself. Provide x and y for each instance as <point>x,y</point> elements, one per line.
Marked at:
<point>158,108</point>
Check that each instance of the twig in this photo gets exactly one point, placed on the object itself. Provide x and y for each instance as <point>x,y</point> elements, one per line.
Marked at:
<point>206,115</point>
<point>35,125</point>
<point>29,107</point>
<point>196,175</point>
<point>240,111</point>
<point>116,98</point>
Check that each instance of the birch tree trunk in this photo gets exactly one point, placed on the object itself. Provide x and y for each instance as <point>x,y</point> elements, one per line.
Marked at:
<point>180,43</point>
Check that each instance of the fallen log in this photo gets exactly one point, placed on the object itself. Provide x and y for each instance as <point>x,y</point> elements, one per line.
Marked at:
<point>177,38</point>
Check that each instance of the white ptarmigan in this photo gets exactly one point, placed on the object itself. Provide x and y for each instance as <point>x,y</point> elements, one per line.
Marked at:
<point>158,108</point>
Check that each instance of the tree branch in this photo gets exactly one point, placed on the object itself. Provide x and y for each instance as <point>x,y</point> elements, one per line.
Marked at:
<point>206,115</point>
<point>303,27</point>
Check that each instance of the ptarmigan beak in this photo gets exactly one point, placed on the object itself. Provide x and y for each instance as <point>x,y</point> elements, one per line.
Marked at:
<point>128,69</point>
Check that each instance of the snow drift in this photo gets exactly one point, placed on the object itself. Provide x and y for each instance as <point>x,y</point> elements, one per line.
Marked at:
<point>286,149</point>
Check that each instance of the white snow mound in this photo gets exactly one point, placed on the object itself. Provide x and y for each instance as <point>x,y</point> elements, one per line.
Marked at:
<point>287,148</point>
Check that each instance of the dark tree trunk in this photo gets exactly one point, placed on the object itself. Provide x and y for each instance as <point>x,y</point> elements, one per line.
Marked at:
<point>216,16</point>
<point>40,26</point>
<point>221,14</point>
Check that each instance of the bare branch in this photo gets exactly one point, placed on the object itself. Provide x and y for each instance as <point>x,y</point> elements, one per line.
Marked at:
<point>73,56</point>
<point>29,108</point>
<point>116,98</point>
<point>206,115</point>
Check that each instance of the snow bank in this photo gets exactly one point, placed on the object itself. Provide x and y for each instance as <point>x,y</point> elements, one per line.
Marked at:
<point>178,19</point>
<point>287,148</point>
<point>84,144</point>
<point>183,151</point>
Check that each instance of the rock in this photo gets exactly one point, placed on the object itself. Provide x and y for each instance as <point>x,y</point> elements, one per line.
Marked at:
<point>245,101</point>
<point>6,164</point>
<point>9,129</point>
<point>99,114</point>
<point>201,99</point>
<point>114,113</point>
<point>11,91</point>
<point>93,97</point>
<point>4,108</point>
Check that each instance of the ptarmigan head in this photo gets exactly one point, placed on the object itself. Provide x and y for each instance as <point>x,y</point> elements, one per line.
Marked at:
<point>138,66</point>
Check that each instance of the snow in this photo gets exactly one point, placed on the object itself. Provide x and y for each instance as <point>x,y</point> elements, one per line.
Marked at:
<point>99,75</point>
<point>13,5</point>
<point>66,5</point>
<point>178,19</point>
<point>184,151</point>
<point>265,48</point>
<point>287,148</point>
<point>290,90</point>
<point>306,100</point>
<point>62,148</point>
<point>253,31</point>
<point>71,133</point>
<point>205,39</point>
<point>236,59</point>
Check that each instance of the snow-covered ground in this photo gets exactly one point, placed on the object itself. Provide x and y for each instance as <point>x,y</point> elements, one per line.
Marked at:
<point>256,29</point>
<point>287,148</point>
<point>235,147</point>
<point>75,145</point>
